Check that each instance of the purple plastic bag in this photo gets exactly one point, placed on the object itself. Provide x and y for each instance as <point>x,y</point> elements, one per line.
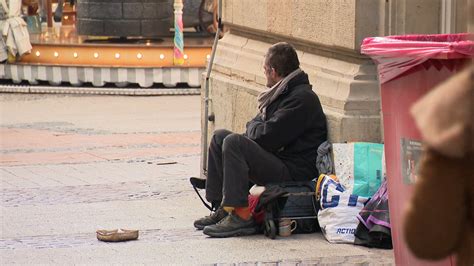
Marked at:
<point>375,211</point>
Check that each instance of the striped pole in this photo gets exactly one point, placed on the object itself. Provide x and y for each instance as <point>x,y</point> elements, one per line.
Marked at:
<point>178,55</point>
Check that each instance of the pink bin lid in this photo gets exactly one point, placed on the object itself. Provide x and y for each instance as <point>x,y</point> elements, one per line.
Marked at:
<point>395,55</point>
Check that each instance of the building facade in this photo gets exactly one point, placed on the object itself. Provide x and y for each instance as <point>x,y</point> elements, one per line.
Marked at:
<point>327,35</point>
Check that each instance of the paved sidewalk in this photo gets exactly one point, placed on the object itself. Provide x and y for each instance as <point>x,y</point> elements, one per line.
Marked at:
<point>71,165</point>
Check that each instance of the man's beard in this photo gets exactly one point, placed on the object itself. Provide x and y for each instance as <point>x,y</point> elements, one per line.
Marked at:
<point>270,83</point>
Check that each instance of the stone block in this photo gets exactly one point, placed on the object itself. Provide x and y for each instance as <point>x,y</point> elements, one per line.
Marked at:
<point>222,105</point>
<point>281,19</point>
<point>343,128</point>
<point>158,10</point>
<point>422,10</point>
<point>190,10</point>
<point>250,13</point>
<point>327,87</point>
<point>260,21</point>
<point>132,10</point>
<point>221,69</point>
<point>155,27</point>
<point>243,75</point>
<point>464,13</point>
<point>218,87</point>
<point>370,20</point>
<point>105,10</point>
<point>82,10</point>
<point>228,53</point>
<point>313,21</point>
<point>408,14</point>
<point>231,97</point>
<point>235,41</point>
<point>227,14</point>
<point>361,128</point>
<point>324,22</point>
<point>122,28</point>
<point>237,12</point>
<point>90,26</point>
<point>364,90</point>
<point>245,104</point>
<point>343,22</point>
<point>256,48</point>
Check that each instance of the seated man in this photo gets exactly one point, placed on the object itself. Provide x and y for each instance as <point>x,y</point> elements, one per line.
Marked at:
<point>280,144</point>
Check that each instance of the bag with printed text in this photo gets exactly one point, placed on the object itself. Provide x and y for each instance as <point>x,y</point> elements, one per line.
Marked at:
<point>338,211</point>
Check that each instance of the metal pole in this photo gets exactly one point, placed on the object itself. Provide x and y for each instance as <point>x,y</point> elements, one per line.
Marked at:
<point>49,13</point>
<point>178,55</point>
<point>206,89</point>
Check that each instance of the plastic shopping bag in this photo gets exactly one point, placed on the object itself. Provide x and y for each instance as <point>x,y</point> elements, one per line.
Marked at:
<point>374,229</point>
<point>359,166</point>
<point>338,210</point>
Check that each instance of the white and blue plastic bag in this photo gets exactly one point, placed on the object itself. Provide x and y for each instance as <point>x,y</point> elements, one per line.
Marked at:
<point>338,210</point>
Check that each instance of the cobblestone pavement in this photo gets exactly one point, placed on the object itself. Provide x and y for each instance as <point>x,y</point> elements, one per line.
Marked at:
<point>72,165</point>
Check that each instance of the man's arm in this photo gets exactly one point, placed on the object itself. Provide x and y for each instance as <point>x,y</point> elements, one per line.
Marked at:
<point>285,125</point>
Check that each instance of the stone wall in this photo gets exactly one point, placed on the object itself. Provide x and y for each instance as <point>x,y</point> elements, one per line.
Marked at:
<point>347,90</point>
<point>327,35</point>
<point>330,23</point>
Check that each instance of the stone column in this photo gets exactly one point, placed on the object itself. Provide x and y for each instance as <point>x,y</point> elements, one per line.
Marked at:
<point>327,35</point>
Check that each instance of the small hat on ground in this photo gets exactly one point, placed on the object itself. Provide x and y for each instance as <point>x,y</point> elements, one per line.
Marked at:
<point>117,235</point>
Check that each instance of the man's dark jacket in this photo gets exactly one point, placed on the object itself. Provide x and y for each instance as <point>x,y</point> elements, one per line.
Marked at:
<point>294,127</point>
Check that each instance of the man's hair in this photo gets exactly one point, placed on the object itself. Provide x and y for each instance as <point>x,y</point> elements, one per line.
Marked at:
<point>283,58</point>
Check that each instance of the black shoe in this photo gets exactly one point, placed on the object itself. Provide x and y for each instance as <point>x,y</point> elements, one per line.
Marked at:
<point>214,218</point>
<point>232,225</point>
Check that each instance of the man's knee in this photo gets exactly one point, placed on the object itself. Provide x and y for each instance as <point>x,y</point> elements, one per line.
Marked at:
<point>232,141</point>
<point>220,135</point>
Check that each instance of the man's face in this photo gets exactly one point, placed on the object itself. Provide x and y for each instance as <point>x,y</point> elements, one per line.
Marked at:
<point>270,74</point>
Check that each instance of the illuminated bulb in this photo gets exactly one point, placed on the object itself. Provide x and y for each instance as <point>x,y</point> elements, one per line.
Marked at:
<point>162,56</point>
<point>185,56</point>
<point>56,54</point>
<point>75,55</point>
<point>139,56</point>
<point>148,43</point>
<point>208,56</point>
<point>117,56</point>
<point>38,53</point>
<point>96,55</point>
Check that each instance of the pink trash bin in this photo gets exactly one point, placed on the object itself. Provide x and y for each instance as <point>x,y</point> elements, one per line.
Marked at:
<point>410,66</point>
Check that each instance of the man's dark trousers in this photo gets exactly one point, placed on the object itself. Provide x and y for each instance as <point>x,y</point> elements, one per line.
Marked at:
<point>233,161</point>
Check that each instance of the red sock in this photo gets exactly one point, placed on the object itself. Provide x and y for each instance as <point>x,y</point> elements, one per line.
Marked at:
<point>243,212</point>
